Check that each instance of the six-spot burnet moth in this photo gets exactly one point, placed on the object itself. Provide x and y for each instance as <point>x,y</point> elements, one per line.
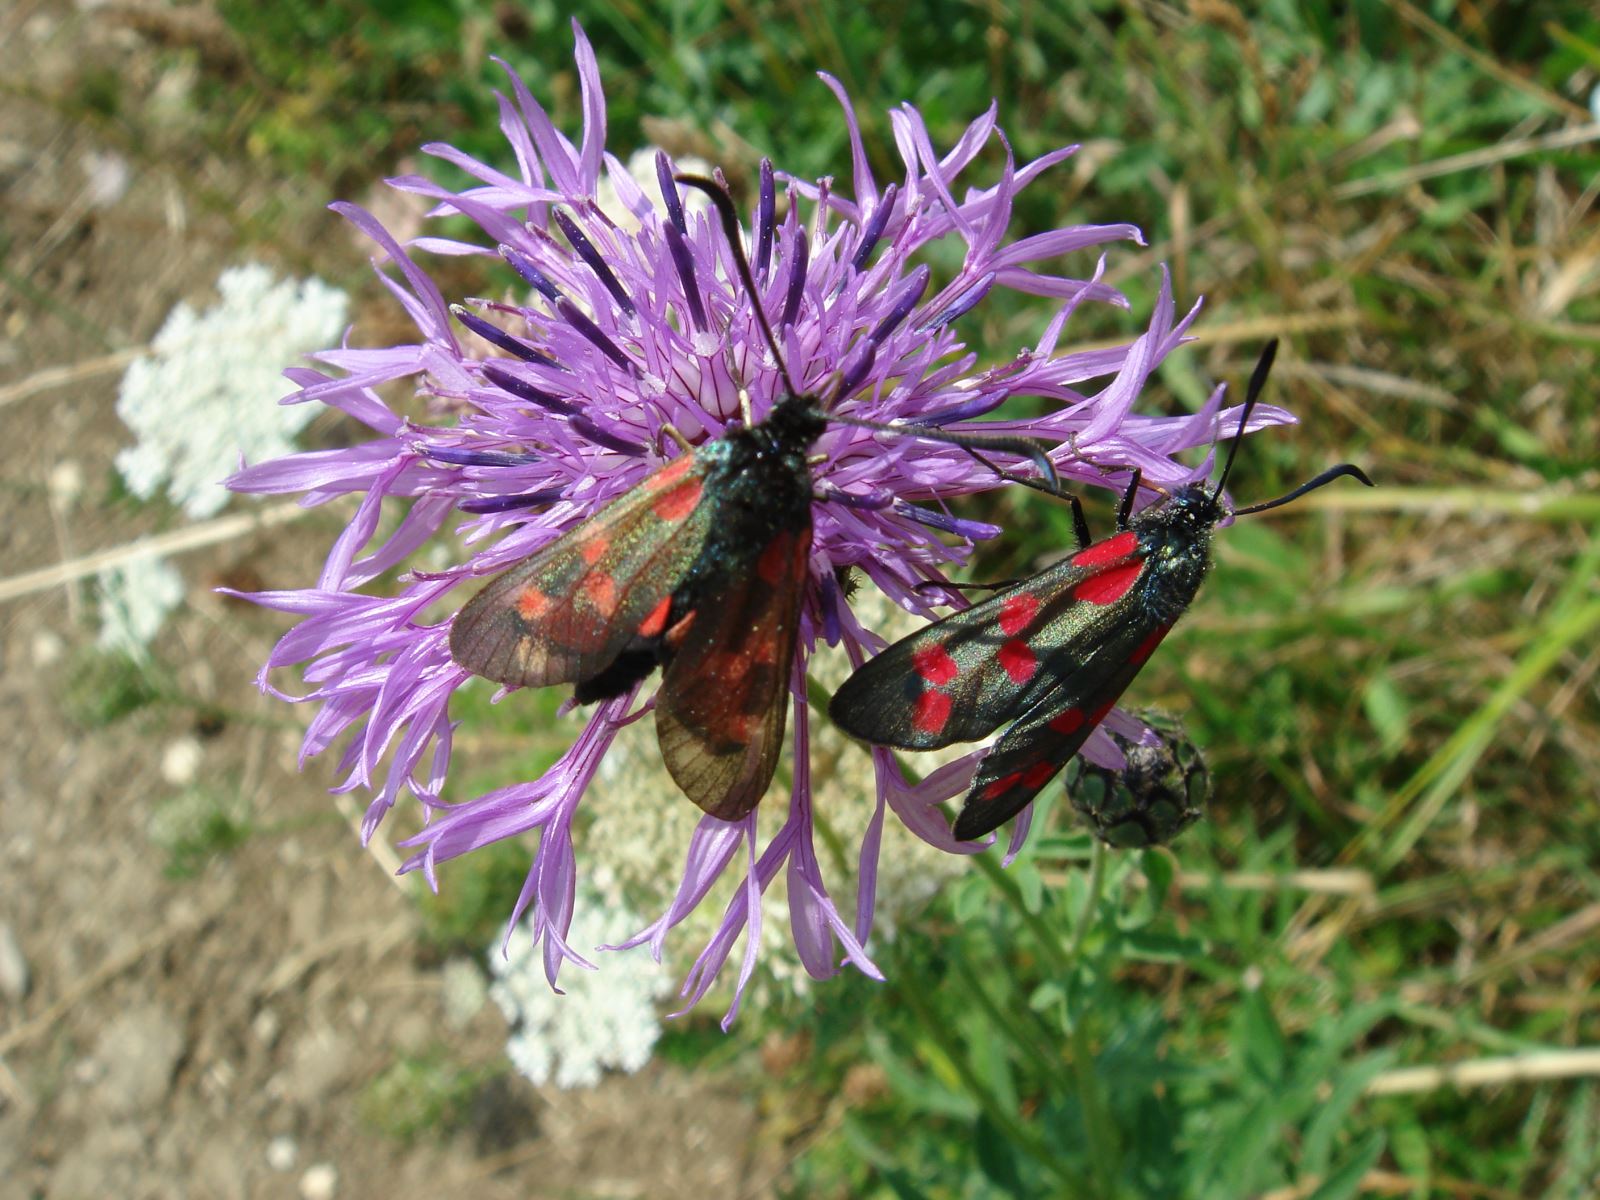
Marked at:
<point>701,569</point>
<point>1052,654</point>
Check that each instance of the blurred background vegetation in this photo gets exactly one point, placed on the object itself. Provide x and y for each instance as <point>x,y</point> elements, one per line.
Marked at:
<point>1396,689</point>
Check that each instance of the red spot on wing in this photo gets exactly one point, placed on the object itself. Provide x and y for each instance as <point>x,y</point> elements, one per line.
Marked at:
<point>602,592</point>
<point>935,665</point>
<point>1067,721</point>
<point>594,546</point>
<point>1036,776</point>
<point>1001,786</point>
<point>1113,549</point>
<point>1109,586</point>
<point>669,474</point>
<point>1018,660</point>
<point>531,603</point>
<point>931,712</point>
<point>1099,714</point>
<point>772,566</point>
<point>676,504</point>
<point>1148,647</point>
<point>675,636</point>
<point>1016,612</point>
<point>656,621</point>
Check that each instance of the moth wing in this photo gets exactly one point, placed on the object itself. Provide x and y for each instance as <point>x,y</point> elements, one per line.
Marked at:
<point>722,705</point>
<point>563,614</point>
<point>1031,753</point>
<point>962,677</point>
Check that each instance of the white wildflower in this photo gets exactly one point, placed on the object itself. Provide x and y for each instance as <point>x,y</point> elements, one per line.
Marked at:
<point>134,602</point>
<point>194,404</point>
<point>606,1020</point>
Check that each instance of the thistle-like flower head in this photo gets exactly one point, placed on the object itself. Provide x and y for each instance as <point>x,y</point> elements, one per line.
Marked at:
<point>629,327</point>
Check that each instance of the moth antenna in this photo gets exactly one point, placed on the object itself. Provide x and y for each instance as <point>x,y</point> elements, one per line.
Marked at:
<point>1322,480</point>
<point>1258,383</point>
<point>1035,449</point>
<point>729,216</point>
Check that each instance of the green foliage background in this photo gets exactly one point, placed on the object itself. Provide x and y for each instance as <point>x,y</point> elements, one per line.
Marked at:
<point>1396,689</point>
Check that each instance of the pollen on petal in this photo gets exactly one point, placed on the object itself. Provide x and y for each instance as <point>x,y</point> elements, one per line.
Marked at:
<point>1113,549</point>
<point>931,712</point>
<point>1016,612</point>
<point>1109,586</point>
<point>1018,660</point>
<point>935,665</point>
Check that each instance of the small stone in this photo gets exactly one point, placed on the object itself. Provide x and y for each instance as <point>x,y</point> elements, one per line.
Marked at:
<point>266,1026</point>
<point>139,1051</point>
<point>65,482</point>
<point>281,1152</point>
<point>318,1063</point>
<point>47,648</point>
<point>320,1182</point>
<point>13,966</point>
<point>180,761</point>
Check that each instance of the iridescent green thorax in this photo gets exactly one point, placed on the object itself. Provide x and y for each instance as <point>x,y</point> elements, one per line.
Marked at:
<point>759,485</point>
<point>1175,542</point>
<point>1160,793</point>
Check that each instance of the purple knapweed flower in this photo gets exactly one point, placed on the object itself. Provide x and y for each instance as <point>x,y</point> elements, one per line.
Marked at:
<point>547,407</point>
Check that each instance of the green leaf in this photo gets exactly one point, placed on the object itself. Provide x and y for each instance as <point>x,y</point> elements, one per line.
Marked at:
<point>1258,1035</point>
<point>1349,1087</point>
<point>1346,1181</point>
<point>997,1158</point>
<point>1162,947</point>
<point>1388,711</point>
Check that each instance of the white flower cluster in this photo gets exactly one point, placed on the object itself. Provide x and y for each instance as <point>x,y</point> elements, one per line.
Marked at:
<point>134,601</point>
<point>195,403</point>
<point>607,1019</point>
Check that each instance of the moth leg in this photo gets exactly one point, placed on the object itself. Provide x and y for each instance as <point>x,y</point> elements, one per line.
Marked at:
<point>1080,523</point>
<point>1125,509</point>
<point>683,443</point>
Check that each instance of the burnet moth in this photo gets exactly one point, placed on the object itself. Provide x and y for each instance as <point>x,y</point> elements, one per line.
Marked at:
<point>1051,655</point>
<point>701,570</point>
<point>1160,790</point>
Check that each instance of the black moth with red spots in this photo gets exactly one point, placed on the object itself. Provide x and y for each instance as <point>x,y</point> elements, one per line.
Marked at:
<point>700,570</point>
<point>1050,655</point>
